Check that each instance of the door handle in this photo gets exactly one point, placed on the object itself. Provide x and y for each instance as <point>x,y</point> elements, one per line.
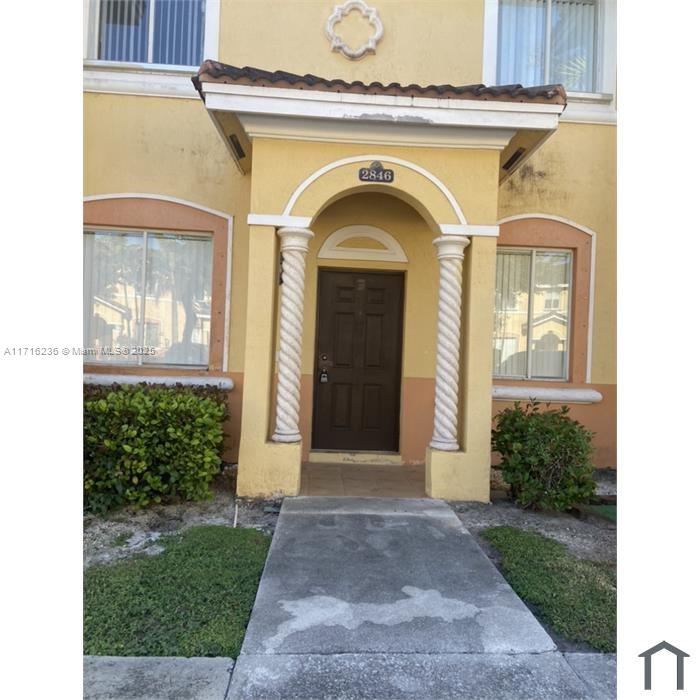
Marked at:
<point>323,377</point>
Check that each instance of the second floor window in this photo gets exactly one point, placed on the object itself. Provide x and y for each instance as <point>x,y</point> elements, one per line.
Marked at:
<point>165,32</point>
<point>542,42</point>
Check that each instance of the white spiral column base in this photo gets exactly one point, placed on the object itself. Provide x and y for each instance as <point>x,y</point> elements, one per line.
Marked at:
<point>450,252</point>
<point>294,246</point>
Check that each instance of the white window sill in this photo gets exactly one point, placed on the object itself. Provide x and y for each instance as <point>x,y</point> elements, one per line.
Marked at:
<point>141,67</point>
<point>139,79</point>
<point>545,394</point>
<point>589,108</point>
<point>186,380</point>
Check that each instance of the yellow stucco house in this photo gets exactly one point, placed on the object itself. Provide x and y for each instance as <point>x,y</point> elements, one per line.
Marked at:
<point>323,209</point>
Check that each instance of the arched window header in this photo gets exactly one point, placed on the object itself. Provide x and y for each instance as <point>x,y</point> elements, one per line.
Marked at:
<point>362,242</point>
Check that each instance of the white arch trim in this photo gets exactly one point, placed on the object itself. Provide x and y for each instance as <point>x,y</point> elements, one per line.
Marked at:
<point>388,159</point>
<point>229,245</point>
<point>163,197</point>
<point>332,247</point>
<point>590,232</point>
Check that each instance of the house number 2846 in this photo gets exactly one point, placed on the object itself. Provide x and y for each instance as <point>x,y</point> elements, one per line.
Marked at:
<point>374,174</point>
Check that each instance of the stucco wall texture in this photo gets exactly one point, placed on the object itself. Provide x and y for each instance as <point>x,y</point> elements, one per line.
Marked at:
<point>169,147</point>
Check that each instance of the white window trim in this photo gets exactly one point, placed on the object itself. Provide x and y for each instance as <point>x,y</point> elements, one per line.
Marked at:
<point>332,247</point>
<point>153,79</point>
<point>168,380</point>
<point>583,108</point>
<point>532,252</point>
<point>500,392</point>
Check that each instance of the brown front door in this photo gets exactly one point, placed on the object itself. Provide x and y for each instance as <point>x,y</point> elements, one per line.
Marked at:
<point>358,360</point>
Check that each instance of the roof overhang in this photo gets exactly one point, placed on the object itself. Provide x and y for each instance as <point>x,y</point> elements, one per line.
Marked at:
<point>245,112</point>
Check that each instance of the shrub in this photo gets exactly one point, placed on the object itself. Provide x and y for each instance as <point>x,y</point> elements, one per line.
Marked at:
<point>546,456</point>
<point>145,444</point>
<point>100,391</point>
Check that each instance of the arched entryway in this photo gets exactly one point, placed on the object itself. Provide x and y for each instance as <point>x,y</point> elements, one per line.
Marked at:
<point>436,422</point>
<point>368,348</point>
<point>403,293</point>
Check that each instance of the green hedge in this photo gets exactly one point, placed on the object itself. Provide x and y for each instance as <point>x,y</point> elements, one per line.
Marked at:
<point>547,456</point>
<point>148,443</point>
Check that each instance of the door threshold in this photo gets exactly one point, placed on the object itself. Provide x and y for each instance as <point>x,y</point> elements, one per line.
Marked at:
<point>371,458</point>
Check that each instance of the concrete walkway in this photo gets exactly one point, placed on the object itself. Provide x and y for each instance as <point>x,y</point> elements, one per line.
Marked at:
<point>393,598</point>
<point>155,678</point>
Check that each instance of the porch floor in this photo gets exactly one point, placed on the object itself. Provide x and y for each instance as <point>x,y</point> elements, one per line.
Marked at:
<point>379,481</point>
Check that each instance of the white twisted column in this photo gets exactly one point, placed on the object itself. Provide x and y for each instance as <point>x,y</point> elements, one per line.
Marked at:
<point>450,252</point>
<point>294,245</point>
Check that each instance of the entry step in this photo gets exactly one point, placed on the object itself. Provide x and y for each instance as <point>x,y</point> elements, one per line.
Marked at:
<point>371,458</point>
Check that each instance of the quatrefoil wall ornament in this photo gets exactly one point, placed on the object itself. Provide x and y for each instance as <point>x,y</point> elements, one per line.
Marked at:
<point>340,11</point>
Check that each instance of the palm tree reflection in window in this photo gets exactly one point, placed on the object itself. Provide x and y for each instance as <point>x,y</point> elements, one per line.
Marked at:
<point>573,44</point>
<point>178,294</point>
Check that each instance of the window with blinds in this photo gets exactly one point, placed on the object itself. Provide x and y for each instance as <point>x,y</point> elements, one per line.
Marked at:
<point>542,42</point>
<point>165,32</point>
<point>532,310</point>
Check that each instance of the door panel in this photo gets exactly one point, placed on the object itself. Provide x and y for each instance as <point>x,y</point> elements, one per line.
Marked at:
<point>358,360</point>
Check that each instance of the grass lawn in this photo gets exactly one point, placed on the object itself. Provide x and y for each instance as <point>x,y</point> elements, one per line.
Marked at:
<point>577,598</point>
<point>608,512</point>
<point>193,599</point>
